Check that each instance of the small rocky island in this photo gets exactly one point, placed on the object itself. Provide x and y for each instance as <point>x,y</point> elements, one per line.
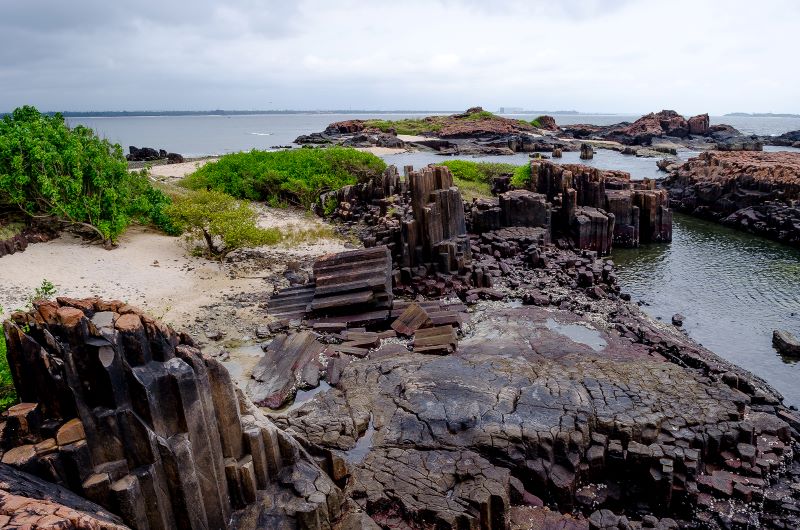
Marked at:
<point>474,365</point>
<point>479,132</point>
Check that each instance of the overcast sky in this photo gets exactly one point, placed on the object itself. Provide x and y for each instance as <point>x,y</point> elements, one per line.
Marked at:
<point>591,55</point>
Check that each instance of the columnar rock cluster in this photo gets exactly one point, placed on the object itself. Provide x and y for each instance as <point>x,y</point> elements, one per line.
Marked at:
<point>126,412</point>
<point>757,192</point>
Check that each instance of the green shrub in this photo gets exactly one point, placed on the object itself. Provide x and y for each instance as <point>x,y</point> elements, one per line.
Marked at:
<point>71,176</point>
<point>8,395</point>
<point>474,179</point>
<point>522,176</point>
<point>279,177</point>
<point>478,171</point>
<point>223,222</point>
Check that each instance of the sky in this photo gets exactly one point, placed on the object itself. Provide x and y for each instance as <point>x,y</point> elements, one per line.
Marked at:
<point>620,56</point>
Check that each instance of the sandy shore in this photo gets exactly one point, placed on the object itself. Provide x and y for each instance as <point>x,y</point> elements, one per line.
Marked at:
<point>175,172</point>
<point>381,151</point>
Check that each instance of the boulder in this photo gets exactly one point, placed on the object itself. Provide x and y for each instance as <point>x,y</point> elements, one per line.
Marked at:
<point>785,342</point>
<point>587,152</point>
<point>699,125</point>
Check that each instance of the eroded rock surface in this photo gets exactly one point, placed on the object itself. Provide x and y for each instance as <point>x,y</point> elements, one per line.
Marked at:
<point>539,402</point>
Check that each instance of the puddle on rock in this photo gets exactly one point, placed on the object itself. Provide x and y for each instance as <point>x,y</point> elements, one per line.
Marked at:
<point>303,396</point>
<point>577,333</point>
<point>363,446</point>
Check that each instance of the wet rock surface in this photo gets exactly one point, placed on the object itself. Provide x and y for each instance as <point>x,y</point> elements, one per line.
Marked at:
<point>756,192</point>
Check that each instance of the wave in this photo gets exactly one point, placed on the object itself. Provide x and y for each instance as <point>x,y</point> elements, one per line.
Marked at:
<point>261,134</point>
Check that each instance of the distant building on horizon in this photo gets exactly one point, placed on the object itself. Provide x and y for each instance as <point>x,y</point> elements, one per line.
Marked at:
<point>510,110</point>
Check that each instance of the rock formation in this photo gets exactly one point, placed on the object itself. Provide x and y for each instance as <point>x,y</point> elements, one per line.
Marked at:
<point>695,132</point>
<point>602,207</point>
<point>757,192</point>
<point>126,412</point>
<point>34,233</point>
<point>148,154</point>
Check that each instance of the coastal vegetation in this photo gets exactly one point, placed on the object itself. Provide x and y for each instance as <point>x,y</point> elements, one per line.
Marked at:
<point>294,177</point>
<point>428,124</point>
<point>8,396</point>
<point>474,179</point>
<point>71,177</point>
<point>223,222</point>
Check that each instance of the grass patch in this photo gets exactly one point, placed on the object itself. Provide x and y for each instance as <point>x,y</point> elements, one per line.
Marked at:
<point>309,235</point>
<point>429,124</point>
<point>521,177</point>
<point>474,179</point>
<point>8,395</point>
<point>295,176</point>
<point>409,126</point>
<point>9,230</point>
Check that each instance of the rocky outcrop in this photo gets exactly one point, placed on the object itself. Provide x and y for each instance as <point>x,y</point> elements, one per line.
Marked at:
<point>126,412</point>
<point>757,192</point>
<point>27,501</point>
<point>35,233</point>
<point>789,139</point>
<point>474,132</point>
<point>148,154</point>
<point>548,123</point>
<point>587,152</point>
<point>602,207</point>
<point>695,133</point>
<point>699,125</point>
<point>785,342</point>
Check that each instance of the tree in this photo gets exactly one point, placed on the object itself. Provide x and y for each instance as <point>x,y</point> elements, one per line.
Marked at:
<point>71,176</point>
<point>223,222</point>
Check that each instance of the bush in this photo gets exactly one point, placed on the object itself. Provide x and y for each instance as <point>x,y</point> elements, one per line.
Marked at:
<point>478,171</point>
<point>8,394</point>
<point>278,177</point>
<point>71,176</point>
<point>521,177</point>
<point>475,178</point>
<point>223,222</point>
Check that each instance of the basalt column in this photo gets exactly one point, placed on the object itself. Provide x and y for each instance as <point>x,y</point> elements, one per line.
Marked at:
<point>437,233</point>
<point>124,411</point>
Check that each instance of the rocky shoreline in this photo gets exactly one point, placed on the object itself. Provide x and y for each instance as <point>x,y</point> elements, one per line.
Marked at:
<point>476,365</point>
<point>754,192</point>
<point>654,134</point>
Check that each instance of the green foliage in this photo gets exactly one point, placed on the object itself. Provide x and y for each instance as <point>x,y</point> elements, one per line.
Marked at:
<point>536,122</point>
<point>8,395</point>
<point>521,177</point>
<point>44,292</point>
<point>223,222</point>
<point>478,116</point>
<point>71,175</point>
<point>408,126</point>
<point>474,179</point>
<point>478,171</point>
<point>278,177</point>
<point>429,124</point>
<point>329,206</point>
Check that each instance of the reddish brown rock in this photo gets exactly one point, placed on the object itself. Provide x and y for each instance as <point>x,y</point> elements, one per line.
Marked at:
<point>699,124</point>
<point>547,123</point>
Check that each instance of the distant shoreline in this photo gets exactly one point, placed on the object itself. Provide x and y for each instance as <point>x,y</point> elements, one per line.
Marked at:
<point>171,113</point>
<point>761,115</point>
